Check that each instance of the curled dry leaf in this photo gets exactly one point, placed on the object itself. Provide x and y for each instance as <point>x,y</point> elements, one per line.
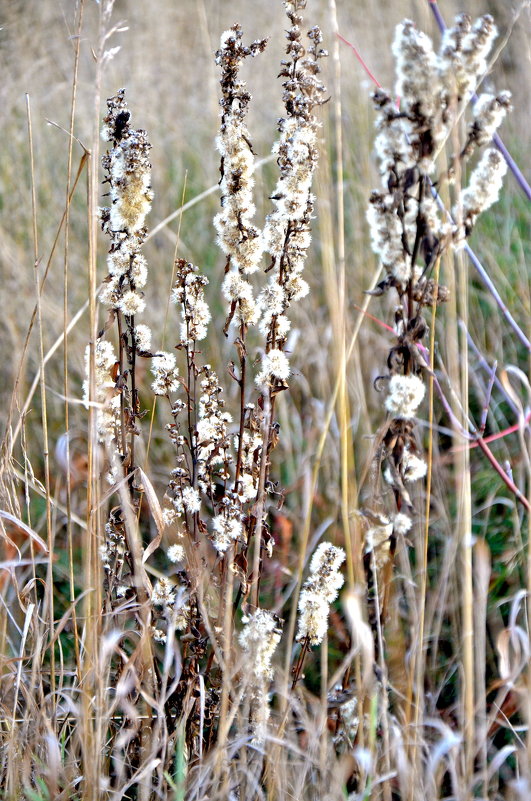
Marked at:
<point>156,511</point>
<point>26,529</point>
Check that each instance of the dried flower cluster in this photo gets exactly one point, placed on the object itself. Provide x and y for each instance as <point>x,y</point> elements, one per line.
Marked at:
<point>172,598</point>
<point>483,188</point>
<point>201,438</point>
<point>406,393</point>
<point>216,500</point>
<point>213,444</point>
<point>410,230</point>
<point>165,373</point>
<point>113,553</point>
<point>318,592</point>
<point>237,236</point>
<point>287,229</point>
<point>190,293</point>
<point>434,89</point>
<point>250,453</point>
<point>108,398</point>
<point>128,174</point>
<point>205,447</point>
<point>129,178</point>
<point>258,639</point>
<point>219,486</point>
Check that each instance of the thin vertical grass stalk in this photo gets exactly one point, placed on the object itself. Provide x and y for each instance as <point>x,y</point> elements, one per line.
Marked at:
<point>463,490</point>
<point>49,596</point>
<point>92,688</point>
<point>418,661</point>
<point>68,465</point>
<point>348,473</point>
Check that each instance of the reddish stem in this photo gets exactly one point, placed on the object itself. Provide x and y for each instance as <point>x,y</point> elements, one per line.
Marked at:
<point>501,472</point>
<point>361,61</point>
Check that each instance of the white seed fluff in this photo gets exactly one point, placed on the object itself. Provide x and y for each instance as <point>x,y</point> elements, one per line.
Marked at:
<point>401,523</point>
<point>319,590</point>
<point>413,467</point>
<point>275,364</point>
<point>175,553</point>
<point>191,499</point>
<point>143,337</point>
<point>163,367</point>
<point>406,393</point>
<point>485,184</point>
<point>225,530</point>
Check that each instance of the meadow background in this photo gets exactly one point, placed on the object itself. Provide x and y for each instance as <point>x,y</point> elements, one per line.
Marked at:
<point>165,62</point>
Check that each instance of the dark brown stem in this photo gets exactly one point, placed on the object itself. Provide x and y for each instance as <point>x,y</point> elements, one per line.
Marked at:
<point>260,505</point>
<point>241,383</point>
<point>133,392</point>
<point>282,261</point>
<point>191,382</point>
<point>416,247</point>
<point>122,385</point>
<point>297,670</point>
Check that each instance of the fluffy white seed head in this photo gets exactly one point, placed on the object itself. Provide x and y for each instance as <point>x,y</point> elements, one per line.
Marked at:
<point>163,593</point>
<point>319,591</point>
<point>413,466</point>
<point>237,236</point>
<point>401,523</point>
<point>143,337</point>
<point>484,187</point>
<point>225,530</point>
<point>275,365</point>
<point>416,67</point>
<point>163,367</point>
<point>489,112</point>
<point>128,173</point>
<point>406,393</point>
<point>191,499</point>
<point>476,46</point>
<point>239,291</point>
<point>131,303</point>
<point>259,638</point>
<point>313,617</point>
<point>175,553</point>
<point>386,237</point>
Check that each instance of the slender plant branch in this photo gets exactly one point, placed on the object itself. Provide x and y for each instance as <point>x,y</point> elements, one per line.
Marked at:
<point>519,176</point>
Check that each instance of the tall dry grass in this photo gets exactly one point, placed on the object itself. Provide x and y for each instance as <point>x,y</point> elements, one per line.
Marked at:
<point>420,687</point>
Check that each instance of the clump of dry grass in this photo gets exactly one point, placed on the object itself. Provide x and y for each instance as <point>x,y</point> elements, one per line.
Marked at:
<point>170,625</point>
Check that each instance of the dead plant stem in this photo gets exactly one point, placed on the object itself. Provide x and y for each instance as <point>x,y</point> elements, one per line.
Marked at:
<point>44,412</point>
